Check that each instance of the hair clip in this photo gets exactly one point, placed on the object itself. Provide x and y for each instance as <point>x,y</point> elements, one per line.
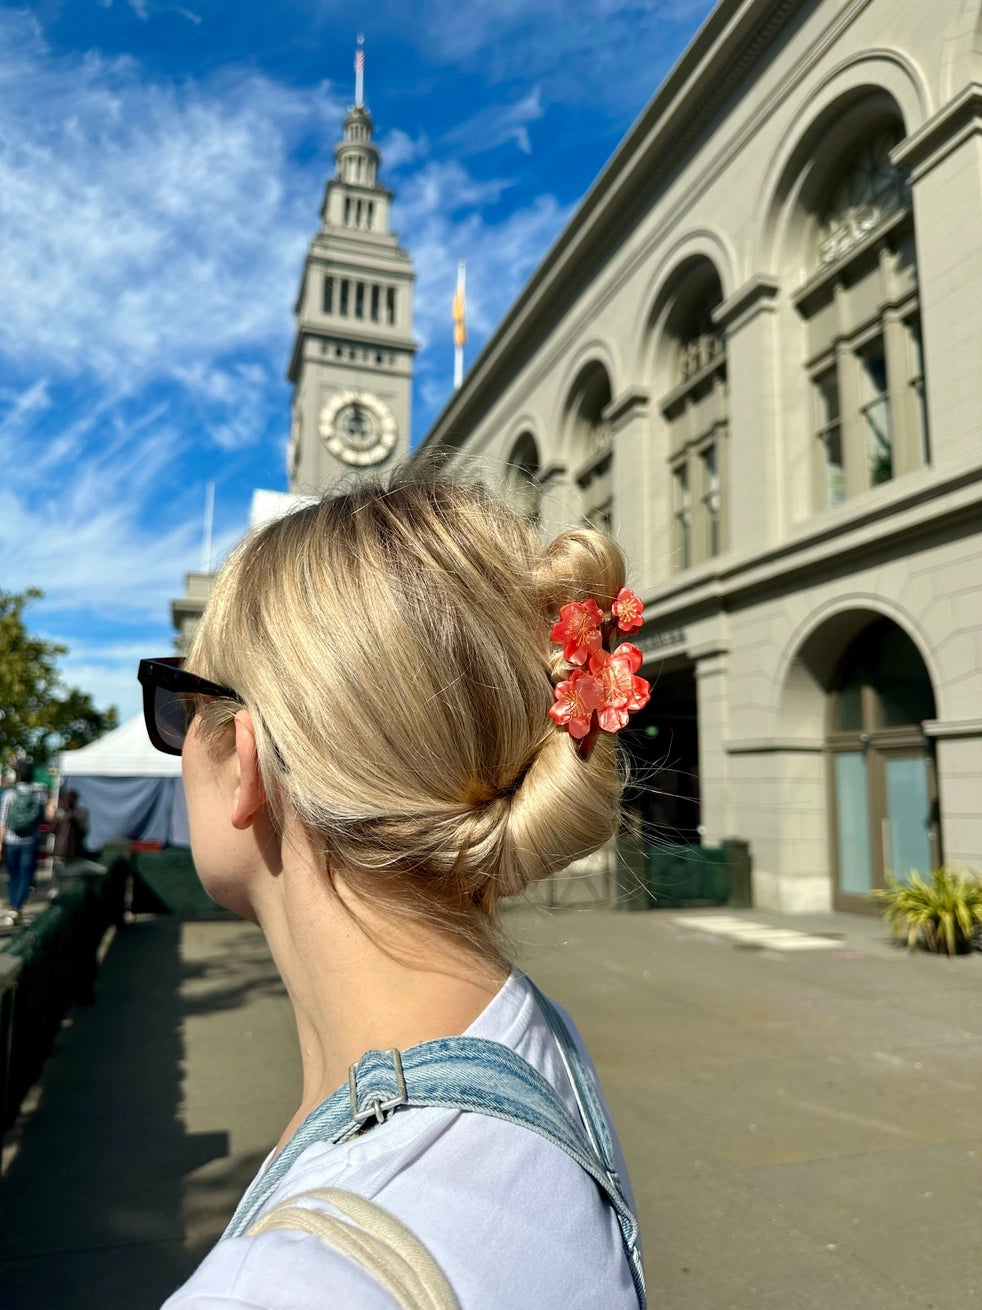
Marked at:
<point>602,688</point>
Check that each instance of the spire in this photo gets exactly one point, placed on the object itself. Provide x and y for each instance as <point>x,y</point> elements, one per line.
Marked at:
<point>360,71</point>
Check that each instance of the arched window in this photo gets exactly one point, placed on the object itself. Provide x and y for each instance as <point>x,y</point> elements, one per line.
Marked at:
<point>860,304</point>
<point>696,410</point>
<point>882,776</point>
<point>522,477</point>
<point>589,437</point>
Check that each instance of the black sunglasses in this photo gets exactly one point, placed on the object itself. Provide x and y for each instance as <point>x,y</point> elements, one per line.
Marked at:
<point>170,700</point>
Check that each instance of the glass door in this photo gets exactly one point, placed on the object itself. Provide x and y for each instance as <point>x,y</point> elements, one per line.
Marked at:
<point>908,830</point>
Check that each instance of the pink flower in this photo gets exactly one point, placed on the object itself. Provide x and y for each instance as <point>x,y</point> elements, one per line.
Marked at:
<point>640,695</point>
<point>629,610</point>
<point>576,699</point>
<point>621,692</point>
<point>578,630</point>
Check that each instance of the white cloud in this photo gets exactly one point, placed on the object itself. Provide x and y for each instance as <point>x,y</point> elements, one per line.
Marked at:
<point>145,225</point>
<point>399,149</point>
<point>496,125</point>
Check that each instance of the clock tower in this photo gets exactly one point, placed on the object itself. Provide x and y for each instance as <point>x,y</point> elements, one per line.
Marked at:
<point>352,361</point>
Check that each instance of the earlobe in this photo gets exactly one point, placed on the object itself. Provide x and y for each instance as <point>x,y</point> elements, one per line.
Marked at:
<point>249,797</point>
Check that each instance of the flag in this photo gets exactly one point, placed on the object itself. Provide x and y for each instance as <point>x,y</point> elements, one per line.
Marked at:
<point>459,310</point>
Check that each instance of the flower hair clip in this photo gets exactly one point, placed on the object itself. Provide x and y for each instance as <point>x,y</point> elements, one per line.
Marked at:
<point>602,688</point>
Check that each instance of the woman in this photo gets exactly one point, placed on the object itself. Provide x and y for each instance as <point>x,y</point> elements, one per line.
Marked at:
<point>375,755</point>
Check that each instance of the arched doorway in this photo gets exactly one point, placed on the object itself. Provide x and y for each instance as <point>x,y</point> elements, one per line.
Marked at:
<point>883,796</point>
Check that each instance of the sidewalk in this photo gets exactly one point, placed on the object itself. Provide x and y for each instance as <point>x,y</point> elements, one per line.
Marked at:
<point>802,1123</point>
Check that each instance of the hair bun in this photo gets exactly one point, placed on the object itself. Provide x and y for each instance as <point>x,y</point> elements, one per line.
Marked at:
<point>579,564</point>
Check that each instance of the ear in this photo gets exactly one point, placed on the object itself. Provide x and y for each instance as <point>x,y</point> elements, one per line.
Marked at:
<point>249,797</point>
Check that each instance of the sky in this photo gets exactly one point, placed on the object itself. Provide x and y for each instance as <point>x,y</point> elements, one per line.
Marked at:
<point>161,173</point>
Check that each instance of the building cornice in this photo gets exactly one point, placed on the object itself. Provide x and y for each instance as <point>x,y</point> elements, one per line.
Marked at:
<point>631,402</point>
<point>942,134</point>
<point>949,729</point>
<point>347,334</point>
<point>757,295</point>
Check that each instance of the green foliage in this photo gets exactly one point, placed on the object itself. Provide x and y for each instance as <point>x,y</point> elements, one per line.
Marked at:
<point>38,714</point>
<point>943,913</point>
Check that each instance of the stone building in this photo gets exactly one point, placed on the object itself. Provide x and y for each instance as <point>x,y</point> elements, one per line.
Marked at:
<point>755,354</point>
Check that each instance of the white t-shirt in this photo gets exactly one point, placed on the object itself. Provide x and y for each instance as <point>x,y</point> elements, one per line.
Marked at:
<point>514,1223</point>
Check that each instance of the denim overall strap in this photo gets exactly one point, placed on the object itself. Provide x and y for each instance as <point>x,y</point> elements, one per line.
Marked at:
<point>461,1073</point>
<point>587,1100</point>
<point>598,1130</point>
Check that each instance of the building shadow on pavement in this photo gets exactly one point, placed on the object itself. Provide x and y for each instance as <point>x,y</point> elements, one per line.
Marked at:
<point>92,1199</point>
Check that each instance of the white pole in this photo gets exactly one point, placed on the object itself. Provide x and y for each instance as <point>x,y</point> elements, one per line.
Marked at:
<point>209,520</point>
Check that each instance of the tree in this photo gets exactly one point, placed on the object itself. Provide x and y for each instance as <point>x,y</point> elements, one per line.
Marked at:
<point>38,713</point>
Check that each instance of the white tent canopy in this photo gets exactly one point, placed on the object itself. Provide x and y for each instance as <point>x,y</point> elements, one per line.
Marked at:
<point>125,752</point>
<point>129,788</point>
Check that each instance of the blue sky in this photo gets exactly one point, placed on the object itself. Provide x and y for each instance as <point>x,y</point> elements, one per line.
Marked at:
<point>161,171</point>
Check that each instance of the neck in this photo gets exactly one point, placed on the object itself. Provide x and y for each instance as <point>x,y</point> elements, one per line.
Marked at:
<point>361,978</point>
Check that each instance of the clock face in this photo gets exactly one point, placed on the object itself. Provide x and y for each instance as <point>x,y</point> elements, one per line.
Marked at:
<point>358,428</point>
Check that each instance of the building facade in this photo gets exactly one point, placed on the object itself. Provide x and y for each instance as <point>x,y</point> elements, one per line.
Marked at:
<point>754,356</point>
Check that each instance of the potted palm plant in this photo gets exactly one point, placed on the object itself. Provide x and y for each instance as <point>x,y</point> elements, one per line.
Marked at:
<point>943,912</point>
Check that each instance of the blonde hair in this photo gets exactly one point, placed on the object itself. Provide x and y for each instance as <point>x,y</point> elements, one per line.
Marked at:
<point>393,646</point>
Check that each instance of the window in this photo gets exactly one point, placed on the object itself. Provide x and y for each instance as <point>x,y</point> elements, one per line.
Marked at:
<point>710,501</point>
<point>875,409</point>
<point>682,516</point>
<point>522,477</point>
<point>870,190</point>
<point>359,300</point>
<point>375,304</point>
<point>358,212</point>
<point>343,309</point>
<point>862,324</point>
<point>390,305</point>
<point>329,295</point>
<point>347,211</point>
<point>696,413</point>
<point>371,215</point>
<point>830,435</point>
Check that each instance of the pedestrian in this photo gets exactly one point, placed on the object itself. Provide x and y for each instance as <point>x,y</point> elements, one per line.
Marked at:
<point>21,812</point>
<point>69,824</point>
<point>375,754</point>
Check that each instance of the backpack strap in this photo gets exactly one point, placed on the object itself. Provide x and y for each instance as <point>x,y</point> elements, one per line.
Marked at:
<point>376,1240</point>
<point>463,1073</point>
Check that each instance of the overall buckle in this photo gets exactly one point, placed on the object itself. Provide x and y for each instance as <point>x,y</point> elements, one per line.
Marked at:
<point>378,1108</point>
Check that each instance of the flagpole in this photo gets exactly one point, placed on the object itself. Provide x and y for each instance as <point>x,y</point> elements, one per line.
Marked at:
<point>460,325</point>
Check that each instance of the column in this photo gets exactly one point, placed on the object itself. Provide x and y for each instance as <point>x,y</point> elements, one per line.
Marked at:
<point>945,162</point>
<point>641,510</point>
<point>713,712</point>
<point>754,451</point>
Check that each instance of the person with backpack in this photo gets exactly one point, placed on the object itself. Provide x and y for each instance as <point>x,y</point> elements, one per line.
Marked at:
<point>401,708</point>
<point>21,812</point>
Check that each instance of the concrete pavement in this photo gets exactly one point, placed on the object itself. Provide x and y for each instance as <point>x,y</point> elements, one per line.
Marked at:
<point>801,1118</point>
